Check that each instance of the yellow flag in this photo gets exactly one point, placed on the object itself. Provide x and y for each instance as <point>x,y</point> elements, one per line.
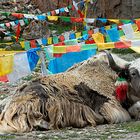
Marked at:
<point>85,13</point>
<point>78,34</point>
<point>50,40</point>
<point>136,49</point>
<point>59,49</point>
<point>86,7</point>
<point>52,18</point>
<point>22,44</point>
<point>6,64</point>
<point>107,27</point>
<point>137,36</point>
<point>98,37</point>
<point>117,21</point>
<point>8,43</point>
<point>135,27</point>
<point>103,46</point>
<point>2,52</point>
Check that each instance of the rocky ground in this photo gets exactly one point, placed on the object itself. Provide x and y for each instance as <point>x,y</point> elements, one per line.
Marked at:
<point>125,131</point>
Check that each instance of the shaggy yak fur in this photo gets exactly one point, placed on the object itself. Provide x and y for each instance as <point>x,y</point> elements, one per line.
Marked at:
<point>81,96</point>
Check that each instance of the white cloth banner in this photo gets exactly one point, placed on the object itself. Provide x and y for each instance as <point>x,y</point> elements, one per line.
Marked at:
<point>21,67</point>
<point>30,16</point>
<point>135,43</point>
<point>128,31</point>
<point>66,9</point>
<point>21,22</point>
<point>96,30</point>
<point>66,35</point>
<point>39,41</point>
<point>12,23</point>
<point>89,20</point>
<point>57,11</point>
<point>75,5</point>
<point>81,43</point>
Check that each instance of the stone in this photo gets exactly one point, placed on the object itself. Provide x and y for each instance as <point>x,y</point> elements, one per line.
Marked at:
<point>126,9</point>
<point>36,30</point>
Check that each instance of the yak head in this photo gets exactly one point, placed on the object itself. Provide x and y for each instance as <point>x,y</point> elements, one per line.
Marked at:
<point>128,70</point>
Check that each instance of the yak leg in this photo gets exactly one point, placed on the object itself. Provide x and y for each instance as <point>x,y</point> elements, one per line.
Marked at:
<point>114,113</point>
<point>134,110</point>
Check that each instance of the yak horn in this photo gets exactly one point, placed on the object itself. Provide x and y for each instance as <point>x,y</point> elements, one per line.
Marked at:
<point>122,72</point>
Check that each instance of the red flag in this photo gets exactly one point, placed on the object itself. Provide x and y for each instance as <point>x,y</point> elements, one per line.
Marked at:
<point>17,15</point>
<point>124,44</point>
<point>73,19</point>
<point>18,32</point>
<point>138,24</point>
<point>90,42</point>
<point>33,44</point>
<point>81,14</point>
<point>75,5</point>
<point>4,78</point>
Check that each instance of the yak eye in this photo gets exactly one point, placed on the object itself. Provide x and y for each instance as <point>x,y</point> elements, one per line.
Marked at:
<point>133,72</point>
<point>133,76</point>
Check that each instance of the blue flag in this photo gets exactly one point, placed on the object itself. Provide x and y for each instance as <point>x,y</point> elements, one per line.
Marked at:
<point>69,59</point>
<point>113,34</point>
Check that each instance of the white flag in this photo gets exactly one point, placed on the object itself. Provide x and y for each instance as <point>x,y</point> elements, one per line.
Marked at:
<point>21,67</point>
<point>66,9</point>
<point>128,31</point>
<point>75,5</point>
<point>135,43</point>
<point>89,20</point>
<point>57,11</point>
<point>21,22</point>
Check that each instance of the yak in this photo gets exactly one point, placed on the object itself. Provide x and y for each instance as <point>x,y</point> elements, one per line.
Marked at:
<point>82,96</point>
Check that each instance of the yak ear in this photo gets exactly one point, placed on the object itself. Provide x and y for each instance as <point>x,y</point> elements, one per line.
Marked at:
<point>123,69</point>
